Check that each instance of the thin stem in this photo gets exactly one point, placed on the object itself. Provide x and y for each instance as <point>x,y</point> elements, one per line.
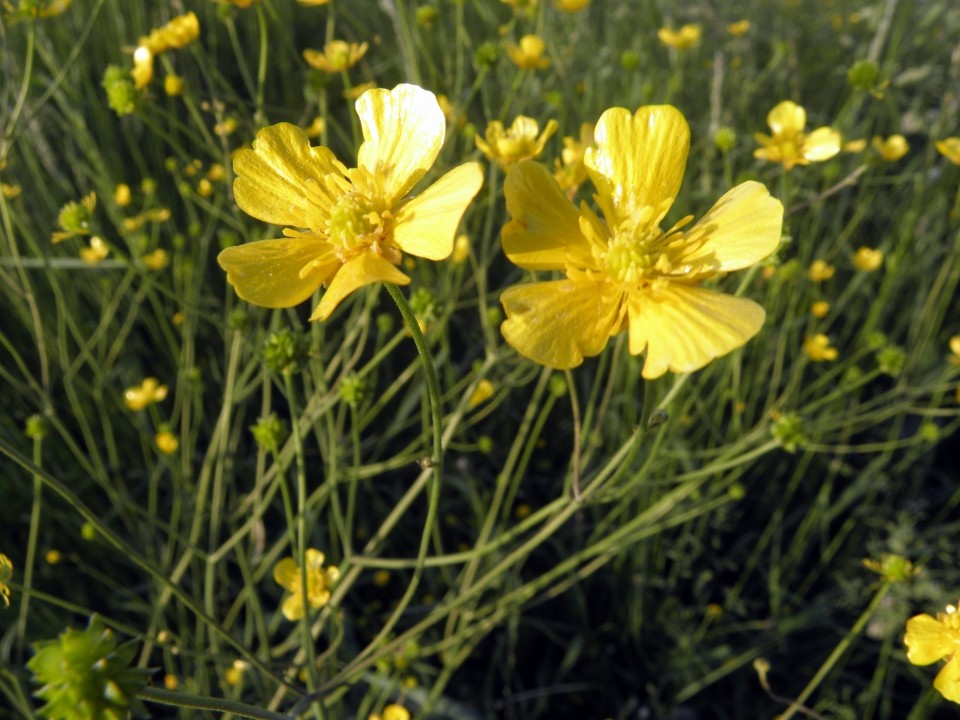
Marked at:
<point>177,699</point>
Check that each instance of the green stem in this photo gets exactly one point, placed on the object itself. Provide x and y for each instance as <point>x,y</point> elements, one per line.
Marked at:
<point>166,697</point>
<point>262,67</point>
<point>31,547</point>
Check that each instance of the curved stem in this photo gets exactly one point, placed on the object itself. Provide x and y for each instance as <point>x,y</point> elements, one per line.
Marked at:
<point>167,697</point>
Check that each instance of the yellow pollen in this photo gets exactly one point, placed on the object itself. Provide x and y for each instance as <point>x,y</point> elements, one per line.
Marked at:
<point>353,226</point>
<point>635,254</point>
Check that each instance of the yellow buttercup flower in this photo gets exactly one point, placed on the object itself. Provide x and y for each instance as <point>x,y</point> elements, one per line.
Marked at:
<point>520,142</point>
<point>739,28</point>
<point>817,347</point>
<point>461,249</point>
<point>570,170</point>
<point>854,146</point>
<point>122,194</point>
<point>820,270</point>
<point>867,259</point>
<point>527,7</point>
<point>623,273</point>
<point>316,127</point>
<point>167,442</point>
<point>96,252</point>
<point>482,393</point>
<point>789,145</point>
<point>337,56</point>
<point>928,640</point>
<point>954,357</point>
<point>173,85</point>
<point>529,54</point>
<point>352,93</point>
<point>950,149</point>
<point>892,148</point>
<point>820,309</point>
<point>319,581</point>
<point>242,4</point>
<point>233,675</point>
<point>683,39</point>
<point>156,260</point>
<point>136,222</point>
<point>176,34</point>
<point>35,9</point>
<point>571,6</point>
<point>357,222</point>
<point>9,191</point>
<point>6,572</point>
<point>74,218</point>
<point>147,392</point>
<point>314,3</point>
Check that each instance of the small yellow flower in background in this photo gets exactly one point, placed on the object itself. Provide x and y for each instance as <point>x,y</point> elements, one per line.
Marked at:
<point>226,127</point>
<point>176,34</point>
<point>789,145</point>
<point>216,172</point>
<point>482,393</point>
<point>867,259</point>
<point>520,142</point>
<point>316,127</point>
<point>319,581</point>
<point>623,272</point>
<point>393,711</point>
<point>242,4</point>
<point>173,85</point>
<point>571,6</point>
<point>950,149</point>
<point>820,309</point>
<point>461,249</point>
<point>820,270</point>
<point>35,9</point>
<point>358,221</point>
<point>9,191</point>
<point>529,54</point>
<point>817,347</point>
<point>178,318</point>
<point>739,28</point>
<point>157,260</point>
<point>854,146</point>
<point>142,67</point>
<point>891,149</point>
<point>122,195</point>
<point>167,442</point>
<point>570,170</point>
<point>381,578</point>
<point>171,681</point>
<point>136,222</point>
<point>954,357</point>
<point>526,7</point>
<point>6,573</point>
<point>147,392</point>
<point>95,252</point>
<point>685,38</point>
<point>204,188</point>
<point>357,90</point>
<point>929,640</point>
<point>892,567</point>
<point>52,557</point>
<point>233,675</point>
<point>337,56</point>
<point>314,3</point>
<point>74,219</point>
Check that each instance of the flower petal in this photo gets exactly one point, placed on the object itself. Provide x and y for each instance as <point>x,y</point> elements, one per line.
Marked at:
<point>787,117</point>
<point>822,144</point>
<point>270,273</point>
<point>948,679</point>
<point>683,327</point>
<point>927,640</point>
<point>402,131</point>
<point>366,268</point>
<point>287,574</point>
<point>544,232</point>
<point>271,176</point>
<point>742,228</point>
<point>426,225</point>
<point>639,160</point>
<point>559,323</point>
<point>292,607</point>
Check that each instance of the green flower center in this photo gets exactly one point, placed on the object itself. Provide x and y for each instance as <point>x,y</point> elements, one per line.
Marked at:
<point>354,226</point>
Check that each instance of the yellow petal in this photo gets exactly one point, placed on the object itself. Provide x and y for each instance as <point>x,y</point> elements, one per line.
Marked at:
<point>366,268</point>
<point>927,640</point>
<point>427,225</point>
<point>271,177</point>
<point>787,117</point>
<point>402,132</point>
<point>948,679</point>
<point>292,607</point>
<point>559,323</point>
<point>287,574</point>
<point>639,160</point>
<point>544,232</point>
<point>271,273</point>
<point>822,144</point>
<point>684,327</point>
<point>741,228</point>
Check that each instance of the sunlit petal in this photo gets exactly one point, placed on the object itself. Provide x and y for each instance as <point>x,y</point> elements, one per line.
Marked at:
<point>822,144</point>
<point>274,273</point>
<point>403,130</point>
<point>683,327</point>
<point>287,574</point>
<point>742,228</point>
<point>787,117</point>
<point>362,270</point>
<point>927,640</point>
<point>427,225</point>
<point>559,323</point>
<point>271,176</point>
<point>948,679</point>
<point>292,607</point>
<point>639,159</point>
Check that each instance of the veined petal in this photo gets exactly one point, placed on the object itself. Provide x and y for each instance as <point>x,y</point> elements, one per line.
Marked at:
<point>287,574</point>
<point>822,144</point>
<point>787,117</point>
<point>742,228</point>
<point>402,133</point>
<point>559,323</point>
<point>427,224</point>
<point>274,273</point>
<point>927,640</point>
<point>639,160</point>
<point>366,268</point>
<point>544,230</point>
<point>683,327</point>
<point>947,680</point>
<point>272,175</point>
